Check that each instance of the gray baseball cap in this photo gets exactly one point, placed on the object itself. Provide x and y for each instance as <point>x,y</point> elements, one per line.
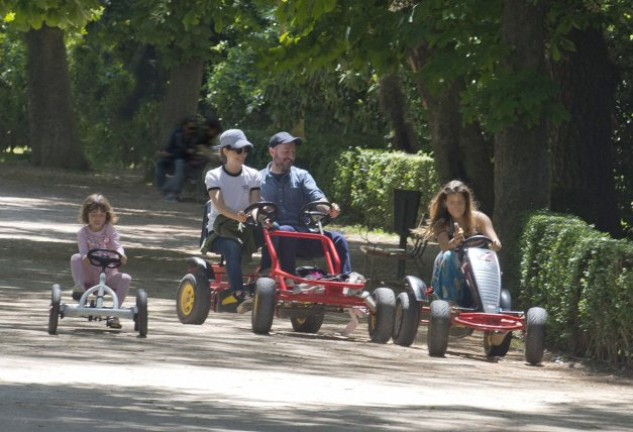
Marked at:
<point>233,138</point>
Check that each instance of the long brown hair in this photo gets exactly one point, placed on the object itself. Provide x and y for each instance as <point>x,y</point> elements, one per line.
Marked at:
<point>97,202</point>
<point>438,211</point>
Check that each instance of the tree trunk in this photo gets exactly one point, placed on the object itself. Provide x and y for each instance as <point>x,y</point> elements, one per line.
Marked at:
<point>53,125</point>
<point>522,171</point>
<point>394,105</point>
<point>460,152</point>
<point>181,98</point>
<point>582,153</point>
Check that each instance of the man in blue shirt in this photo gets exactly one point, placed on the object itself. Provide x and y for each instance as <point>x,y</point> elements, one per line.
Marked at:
<point>291,188</point>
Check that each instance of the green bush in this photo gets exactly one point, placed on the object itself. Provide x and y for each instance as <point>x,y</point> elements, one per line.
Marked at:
<point>583,278</point>
<point>366,179</point>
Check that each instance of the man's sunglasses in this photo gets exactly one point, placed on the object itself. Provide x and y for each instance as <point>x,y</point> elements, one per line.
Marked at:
<point>240,150</point>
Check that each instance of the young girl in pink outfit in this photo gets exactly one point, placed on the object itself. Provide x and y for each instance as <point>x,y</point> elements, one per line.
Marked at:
<point>98,232</point>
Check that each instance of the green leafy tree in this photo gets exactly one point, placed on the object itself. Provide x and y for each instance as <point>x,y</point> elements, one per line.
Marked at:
<point>14,124</point>
<point>53,126</point>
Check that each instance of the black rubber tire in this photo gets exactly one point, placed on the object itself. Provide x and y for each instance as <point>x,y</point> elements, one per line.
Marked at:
<point>193,300</point>
<point>53,313</point>
<point>439,325</point>
<point>505,300</point>
<point>263,305</point>
<point>141,313</point>
<point>380,323</point>
<point>406,319</point>
<point>535,335</point>
<point>310,324</point>
<point>496,350</point>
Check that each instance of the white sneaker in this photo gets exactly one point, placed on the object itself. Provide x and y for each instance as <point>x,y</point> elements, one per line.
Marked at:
<point>290,283</point>
<point>245,306</point>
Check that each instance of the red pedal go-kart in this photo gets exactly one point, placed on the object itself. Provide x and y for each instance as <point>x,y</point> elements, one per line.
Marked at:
<point>305,302</point>
<point>490,310</point>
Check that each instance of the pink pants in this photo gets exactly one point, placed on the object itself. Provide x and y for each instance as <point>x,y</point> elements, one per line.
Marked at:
<point>86,275</point>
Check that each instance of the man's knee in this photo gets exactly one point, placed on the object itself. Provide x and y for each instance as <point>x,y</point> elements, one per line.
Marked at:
<point>338,239</point>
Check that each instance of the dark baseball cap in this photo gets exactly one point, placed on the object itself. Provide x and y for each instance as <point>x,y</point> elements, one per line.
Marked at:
<point>283,138</point>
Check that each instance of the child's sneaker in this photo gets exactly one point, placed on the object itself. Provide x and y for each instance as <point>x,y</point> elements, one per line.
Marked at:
<point>78,292</point>
<point>113,322</point>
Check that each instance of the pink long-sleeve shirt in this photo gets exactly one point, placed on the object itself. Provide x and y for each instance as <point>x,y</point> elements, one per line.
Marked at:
<point>106,238</point>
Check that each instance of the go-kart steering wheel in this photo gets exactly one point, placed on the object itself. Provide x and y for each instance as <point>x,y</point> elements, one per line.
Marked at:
<point>265,210</point>
<point>105,258</point>
<point>313,213</point>
<point>481,239</point>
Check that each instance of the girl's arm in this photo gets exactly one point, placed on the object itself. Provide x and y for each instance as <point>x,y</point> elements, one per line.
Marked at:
<point>115,244</point>
<point>488,230</point>
<point>254,196</point>
<point>216,197</point>
<point>82,244</point>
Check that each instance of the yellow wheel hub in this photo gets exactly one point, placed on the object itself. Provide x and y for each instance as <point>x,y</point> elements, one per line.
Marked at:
<point>187,298</point>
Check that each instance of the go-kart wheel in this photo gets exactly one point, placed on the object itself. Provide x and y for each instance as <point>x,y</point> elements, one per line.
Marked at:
<point>380,323</point>
<point>407,319</point>
<point>193,300</point>
<point>505,300</point>
<point>309,324</point>
<point>439,325</point>
<point>53,312</point>
<point>140,321</point>
<point>263,305</point>
<point>535,335</point>
<point>497,344</point>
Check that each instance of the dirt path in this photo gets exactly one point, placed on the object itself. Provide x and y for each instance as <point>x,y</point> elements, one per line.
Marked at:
<point>222,377</point>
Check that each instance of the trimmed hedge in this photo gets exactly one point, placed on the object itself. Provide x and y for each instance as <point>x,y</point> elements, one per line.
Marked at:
<point>366,180</point>
<point>584,279</point>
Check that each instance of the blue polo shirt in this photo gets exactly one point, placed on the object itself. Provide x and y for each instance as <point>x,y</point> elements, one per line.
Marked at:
<point>290,191</point>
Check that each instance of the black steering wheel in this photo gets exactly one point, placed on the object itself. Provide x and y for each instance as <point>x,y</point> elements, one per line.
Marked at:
<point>105,258</point>
<point>313,213</point>
<point>265,210</point>
<point>477,241</point>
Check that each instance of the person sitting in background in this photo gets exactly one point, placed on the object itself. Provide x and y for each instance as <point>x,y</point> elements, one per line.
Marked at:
<point>207,141</point>
<point>175,159</point>
<point>207,157</point>
<point>453,218</point>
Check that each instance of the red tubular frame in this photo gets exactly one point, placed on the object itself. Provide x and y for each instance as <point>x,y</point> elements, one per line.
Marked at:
<point>489,322</point>
<point>331,292</point>
<point>483,321</point>
<point>327,292</point>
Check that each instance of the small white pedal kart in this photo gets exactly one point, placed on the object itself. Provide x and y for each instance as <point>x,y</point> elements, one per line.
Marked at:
<point>99,301</point>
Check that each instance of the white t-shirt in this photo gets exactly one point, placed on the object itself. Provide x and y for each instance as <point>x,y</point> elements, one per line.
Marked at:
<point>236,189</point>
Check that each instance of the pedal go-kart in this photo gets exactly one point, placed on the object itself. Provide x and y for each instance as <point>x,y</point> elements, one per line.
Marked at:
<point>490,311</point>
<point>314,293</point>
<point>92,303</point>
<point>205,286</point>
